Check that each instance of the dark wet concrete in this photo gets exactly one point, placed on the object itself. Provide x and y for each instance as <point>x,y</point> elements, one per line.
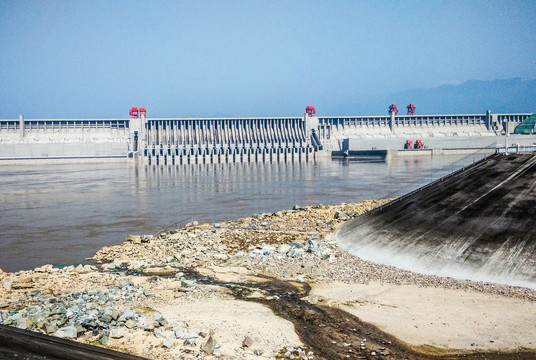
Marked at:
<point>478,224</point>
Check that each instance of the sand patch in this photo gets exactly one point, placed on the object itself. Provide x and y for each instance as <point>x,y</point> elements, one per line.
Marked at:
<point>231,321</point>
<point>444,318</point>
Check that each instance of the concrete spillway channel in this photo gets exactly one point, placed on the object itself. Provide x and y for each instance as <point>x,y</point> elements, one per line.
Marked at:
<point>476,224</point>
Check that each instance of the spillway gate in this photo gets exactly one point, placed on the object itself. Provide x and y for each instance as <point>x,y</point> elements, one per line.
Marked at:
<point>227,140</point>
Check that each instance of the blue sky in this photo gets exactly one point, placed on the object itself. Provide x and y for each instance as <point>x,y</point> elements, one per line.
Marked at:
<point>249,58</point>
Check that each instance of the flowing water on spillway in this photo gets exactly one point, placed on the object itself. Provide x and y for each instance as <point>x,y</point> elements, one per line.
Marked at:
<point>477,224</point>
<point>63,213</point>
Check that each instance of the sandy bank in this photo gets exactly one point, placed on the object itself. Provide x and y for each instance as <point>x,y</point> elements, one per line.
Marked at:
<point>444,318</point>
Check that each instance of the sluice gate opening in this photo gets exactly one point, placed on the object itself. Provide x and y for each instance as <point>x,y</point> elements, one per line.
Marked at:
<point>212,141</point>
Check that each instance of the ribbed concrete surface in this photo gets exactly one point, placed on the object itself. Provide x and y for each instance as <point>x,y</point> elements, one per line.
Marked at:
<point>479,224</point>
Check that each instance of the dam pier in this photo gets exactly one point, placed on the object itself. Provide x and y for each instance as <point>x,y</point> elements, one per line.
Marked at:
<point>254,139</point>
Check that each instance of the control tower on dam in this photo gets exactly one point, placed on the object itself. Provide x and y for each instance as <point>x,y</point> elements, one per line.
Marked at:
<point>247,139</point>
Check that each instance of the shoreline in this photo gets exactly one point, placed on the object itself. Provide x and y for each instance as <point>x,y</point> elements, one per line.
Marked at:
<point>161,297</point>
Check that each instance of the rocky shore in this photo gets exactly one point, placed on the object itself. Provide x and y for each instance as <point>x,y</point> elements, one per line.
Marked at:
<point>254,288</point>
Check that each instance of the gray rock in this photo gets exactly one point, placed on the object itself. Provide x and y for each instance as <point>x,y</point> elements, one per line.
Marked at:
<point>295,252</point>
<point>159,333</point>
<point>50,328</point>
<point>168,343</point>
<point>208,347</point>
<point>135,239</point>
<point>117,334</point>
<point>254,253</point>
<point>104,337</point>
<point>79,329</point>
<point>247,342</point>
<point>115,314</point>
<point>23,323</point>
<point>126,315</point>
<point>160,320</point>
<point>267,249</point>
<point>68,332</point>
<point>312,243</point>
<point>106,318</point>
<point>283,248</point>
<point>89,323</point>
<point>182,333</point>
<point>149,326</point>
<point>130,324</point>
<point>187,283</point>
<point>14,318</point>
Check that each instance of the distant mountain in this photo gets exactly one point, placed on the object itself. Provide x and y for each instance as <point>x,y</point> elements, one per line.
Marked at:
<point>470,97</point>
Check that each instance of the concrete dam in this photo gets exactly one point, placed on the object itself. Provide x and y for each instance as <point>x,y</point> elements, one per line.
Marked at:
<point>260,139</point>
<point>477,224</point>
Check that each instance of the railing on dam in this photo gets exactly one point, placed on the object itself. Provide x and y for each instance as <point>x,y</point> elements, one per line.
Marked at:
<point>223,140</point>
<point>389,125</point>
<point>62,124</point>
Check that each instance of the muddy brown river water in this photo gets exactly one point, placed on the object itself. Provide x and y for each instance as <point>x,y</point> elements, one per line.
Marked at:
<point>63,213</point>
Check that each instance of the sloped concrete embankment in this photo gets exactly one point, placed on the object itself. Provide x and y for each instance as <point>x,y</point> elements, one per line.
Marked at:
<point>477,224</point>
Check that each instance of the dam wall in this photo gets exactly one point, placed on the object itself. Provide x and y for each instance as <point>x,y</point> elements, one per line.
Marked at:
<point>224,140</point>
<point>395,129</point>
<point>254,139</point>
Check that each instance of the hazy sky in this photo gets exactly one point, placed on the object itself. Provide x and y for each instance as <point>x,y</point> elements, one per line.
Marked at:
<point>248,58</point>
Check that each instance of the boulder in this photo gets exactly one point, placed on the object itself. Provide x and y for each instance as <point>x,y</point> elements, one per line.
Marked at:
<point>130,324</point>
<point>160,320</point>
<point>117,334</point>
<point>159,333</point>
<point>267,249</point>
<point>283,248</point>
<point>255,295</point>
<point>208,347</point>
<point>68,332</point>
<point>182,333</point>
<point>127,314</point>
<point>187,283</point>
<point>44,268</point>
<point>135,239</point>
<point>341,216</point>
<point>247,342</point>
<point>295,252</point>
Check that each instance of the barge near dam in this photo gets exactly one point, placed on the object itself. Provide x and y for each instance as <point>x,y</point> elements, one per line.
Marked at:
<point>255,139</point>
<point>476,224</point>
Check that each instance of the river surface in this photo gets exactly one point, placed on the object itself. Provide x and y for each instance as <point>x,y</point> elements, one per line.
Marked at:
<point>63,213</point>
